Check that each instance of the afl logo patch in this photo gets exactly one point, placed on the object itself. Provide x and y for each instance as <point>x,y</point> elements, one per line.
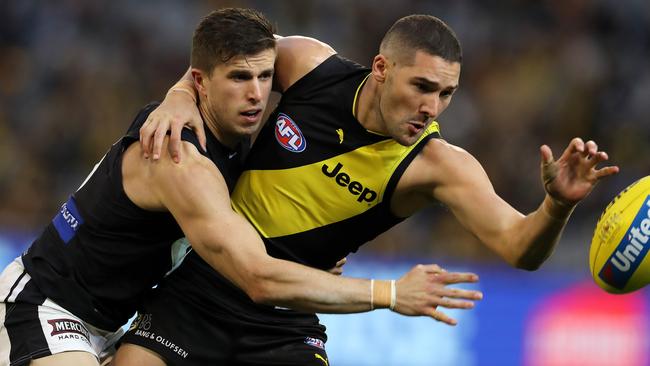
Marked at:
<point>289,135</point>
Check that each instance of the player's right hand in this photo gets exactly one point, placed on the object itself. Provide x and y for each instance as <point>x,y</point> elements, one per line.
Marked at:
<point>177,111</point>
<point>425,288</point>
<point>570,178</point>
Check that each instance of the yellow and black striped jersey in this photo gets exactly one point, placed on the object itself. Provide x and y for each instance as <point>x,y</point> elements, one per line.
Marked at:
<point>317,185</point>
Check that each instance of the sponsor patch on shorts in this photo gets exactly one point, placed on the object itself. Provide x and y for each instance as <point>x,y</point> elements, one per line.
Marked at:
<point>315,342</point>
<point>69,329</point>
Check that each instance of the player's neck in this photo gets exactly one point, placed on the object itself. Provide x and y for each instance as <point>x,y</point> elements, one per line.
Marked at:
<point>367,112</point>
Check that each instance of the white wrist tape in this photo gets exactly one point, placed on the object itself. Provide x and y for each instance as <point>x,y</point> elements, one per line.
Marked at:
<point>393,295</point>
<point>372,295</point>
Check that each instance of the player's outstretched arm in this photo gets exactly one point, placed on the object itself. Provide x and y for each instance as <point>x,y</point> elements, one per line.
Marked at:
<point>566,181</point>
<point>195,193</point>
<point>455,178</point>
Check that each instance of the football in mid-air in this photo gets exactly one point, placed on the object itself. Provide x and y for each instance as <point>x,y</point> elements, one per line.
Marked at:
<point>618,257</point>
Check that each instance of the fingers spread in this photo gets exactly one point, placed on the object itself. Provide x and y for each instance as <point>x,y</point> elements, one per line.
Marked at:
<point>457,277</point>
<point>606,171</point>
<point>462,294</point>
<point>431,268</point>
<point>456,304</point>
<point>598,157</point>
<point>546,153</point>
<point>576,145</point>
<point>591,149</point>
<point>441,317</point>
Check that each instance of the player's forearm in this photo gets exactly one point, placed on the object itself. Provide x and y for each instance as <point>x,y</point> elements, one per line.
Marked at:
<point>273,281</point>
<point>283,283</point>
<point>244,261</point>
<point>538,234</point>
<point>303,288</point>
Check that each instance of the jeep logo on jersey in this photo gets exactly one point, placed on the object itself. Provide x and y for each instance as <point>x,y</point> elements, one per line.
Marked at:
<point>354,187</point>
<point>289,135</point>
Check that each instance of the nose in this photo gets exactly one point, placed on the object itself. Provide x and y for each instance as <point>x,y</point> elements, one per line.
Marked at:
<point>431,107</point>
<point>254,91</point>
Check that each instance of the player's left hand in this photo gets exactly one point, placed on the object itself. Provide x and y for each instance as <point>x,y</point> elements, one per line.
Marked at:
<point>572,177</point>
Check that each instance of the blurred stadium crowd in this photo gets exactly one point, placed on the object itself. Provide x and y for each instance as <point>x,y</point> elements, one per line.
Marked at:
<point>73,74</point>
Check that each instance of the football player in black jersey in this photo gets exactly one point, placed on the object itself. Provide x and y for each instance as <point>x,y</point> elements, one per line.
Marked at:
<point>411,82</point>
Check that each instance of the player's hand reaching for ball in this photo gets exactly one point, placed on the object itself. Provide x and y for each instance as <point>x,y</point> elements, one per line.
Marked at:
<point>571,178</point>
<point>425,288</point>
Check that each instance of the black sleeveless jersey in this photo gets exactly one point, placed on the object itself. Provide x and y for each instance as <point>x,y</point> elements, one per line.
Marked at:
<point>101,252</point>
<point>316,184</point>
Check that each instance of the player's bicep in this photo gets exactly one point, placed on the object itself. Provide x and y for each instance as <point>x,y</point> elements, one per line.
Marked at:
<point>193,191</point>
<point>196,194</point>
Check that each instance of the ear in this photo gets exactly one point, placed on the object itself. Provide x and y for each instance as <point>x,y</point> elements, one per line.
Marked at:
<point>200,81</point>
<point>380,65</point>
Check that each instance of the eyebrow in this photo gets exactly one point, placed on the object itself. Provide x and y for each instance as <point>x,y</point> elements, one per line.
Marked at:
<point>268,71</point>
<point>248,73</point>
<point>239,73</point>
<point>433,84</point>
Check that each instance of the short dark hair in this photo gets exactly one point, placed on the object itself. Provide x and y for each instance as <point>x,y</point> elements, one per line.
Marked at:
<point>422,32</point>
<point>229,32</point>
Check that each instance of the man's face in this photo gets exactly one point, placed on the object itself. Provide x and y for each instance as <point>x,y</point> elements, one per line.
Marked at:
<point>414,95</point>
<point>237,93</point>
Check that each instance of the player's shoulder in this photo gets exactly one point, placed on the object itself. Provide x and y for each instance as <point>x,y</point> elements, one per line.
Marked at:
<point>193,170</point>
<point>304,45</point>
<point>437,150</point>
<point>195,163</point>
<point>135,163</point>
<point>193,150</point>
<point>297,56</point>
<point>441,160</point>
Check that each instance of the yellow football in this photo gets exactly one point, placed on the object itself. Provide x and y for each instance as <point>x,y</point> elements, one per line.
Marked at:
<point>618,255</point>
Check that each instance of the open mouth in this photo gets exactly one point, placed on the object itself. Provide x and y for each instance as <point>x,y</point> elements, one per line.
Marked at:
<point>416,126</point>
<point>252,114</point>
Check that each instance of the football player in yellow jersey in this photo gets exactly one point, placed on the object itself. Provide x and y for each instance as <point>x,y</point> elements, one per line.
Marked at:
<point>408,89</point>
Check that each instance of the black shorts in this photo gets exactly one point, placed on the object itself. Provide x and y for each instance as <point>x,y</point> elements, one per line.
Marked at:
<point>33,326</point>
<point>196,317</point>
